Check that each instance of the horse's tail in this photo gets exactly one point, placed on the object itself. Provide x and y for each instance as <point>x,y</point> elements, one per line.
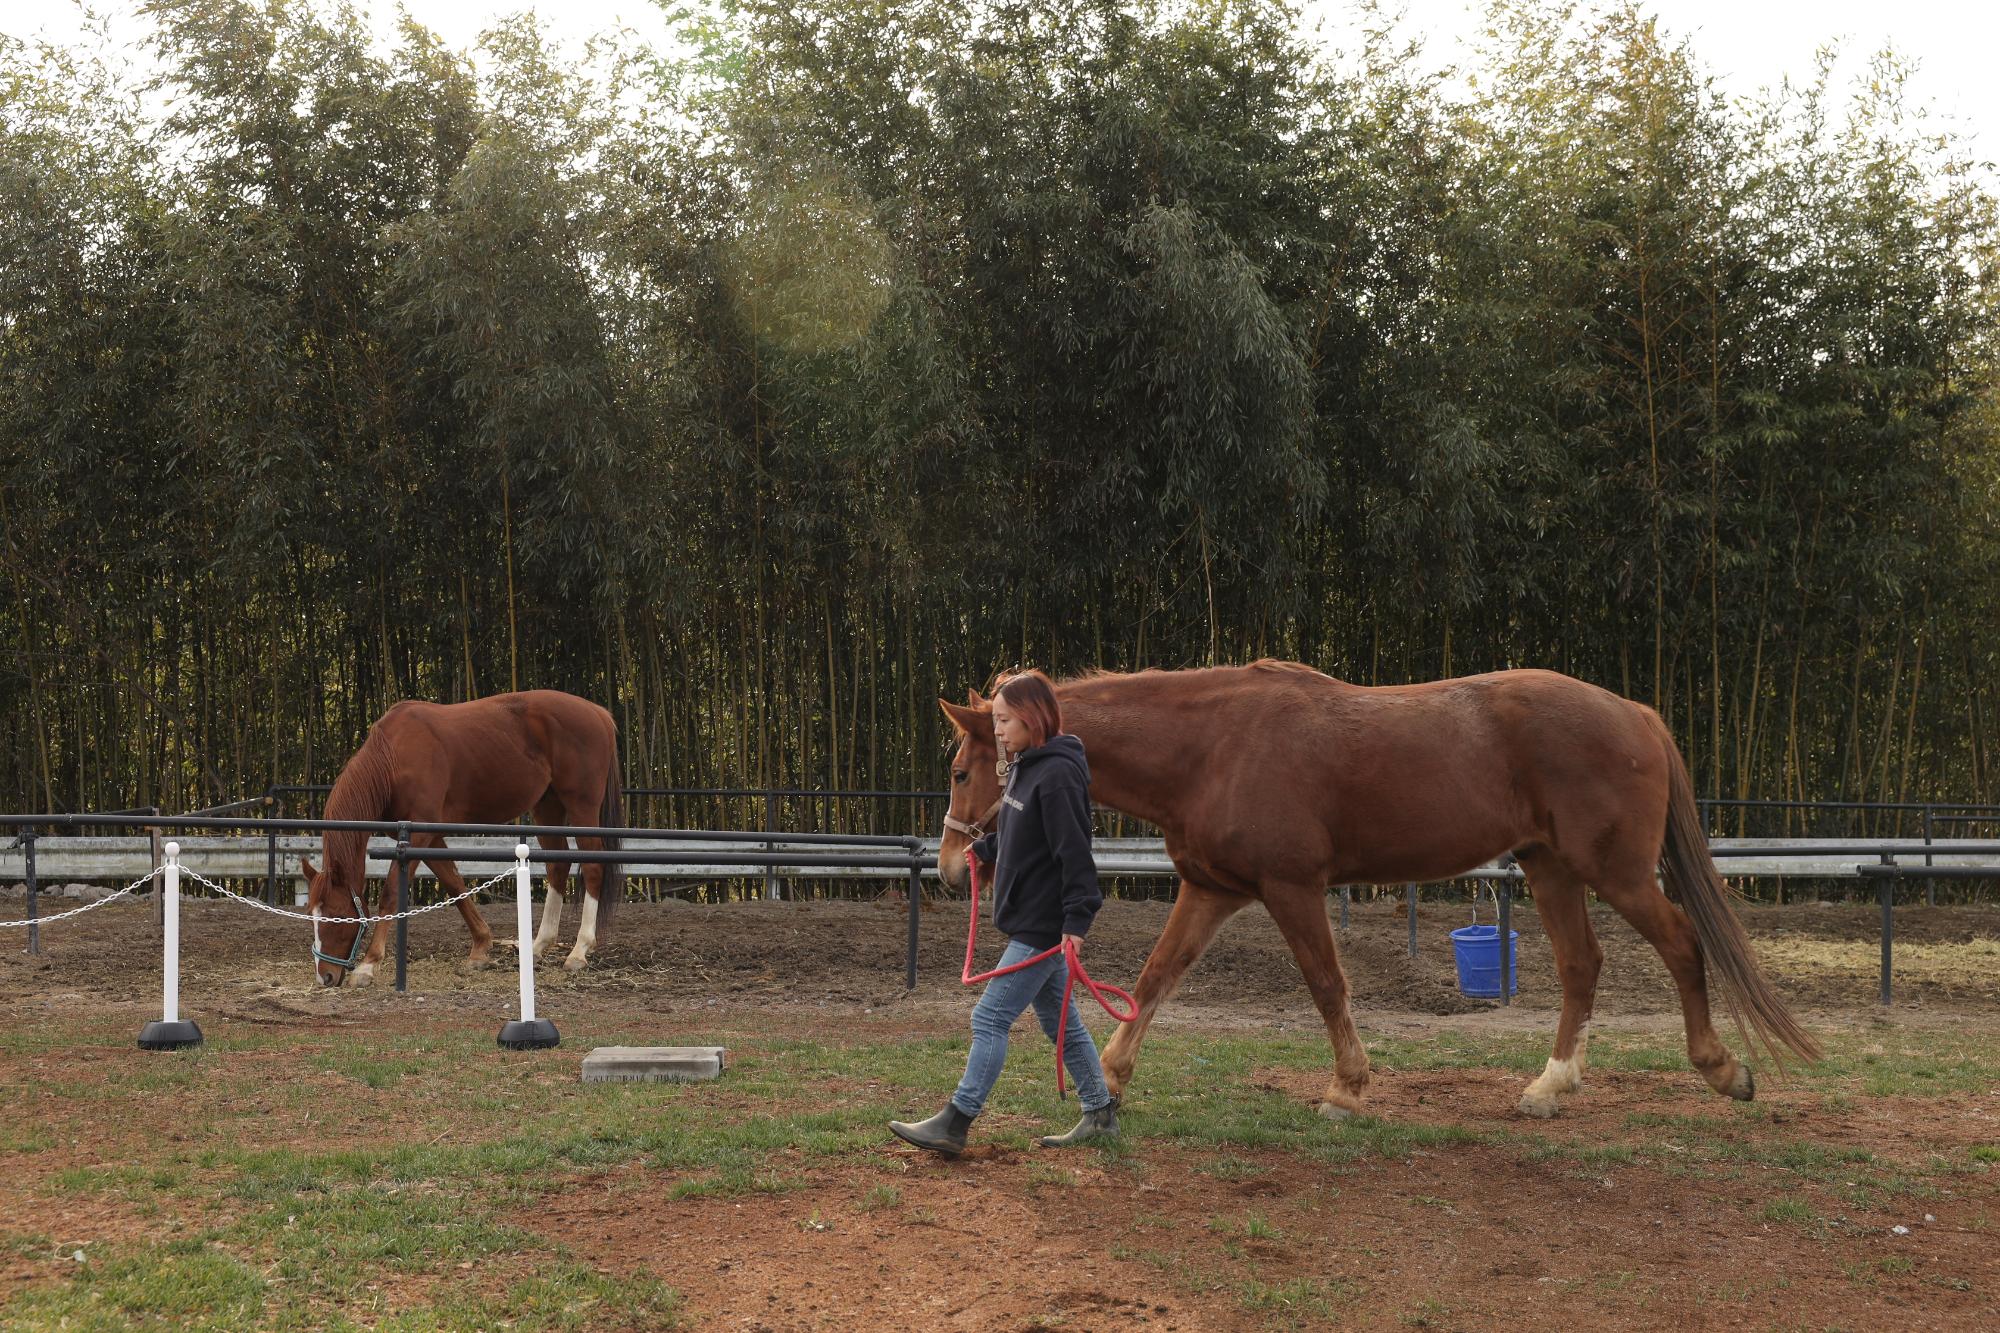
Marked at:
<point>611,814</point>
<point>1692,880</point>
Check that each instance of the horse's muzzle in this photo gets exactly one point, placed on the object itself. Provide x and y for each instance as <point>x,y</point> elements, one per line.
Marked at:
<point>951,869</point>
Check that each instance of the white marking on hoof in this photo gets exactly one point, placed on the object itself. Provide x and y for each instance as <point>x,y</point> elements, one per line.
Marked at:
<point>1558,1076</point>
<point>1335,1112</point>
<point>363,975</point>
<point>552,910</point>
<point>586,934</point>
<point>576,961</point>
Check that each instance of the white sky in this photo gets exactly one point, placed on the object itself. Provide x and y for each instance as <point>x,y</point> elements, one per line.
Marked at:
<point>1746,44</point>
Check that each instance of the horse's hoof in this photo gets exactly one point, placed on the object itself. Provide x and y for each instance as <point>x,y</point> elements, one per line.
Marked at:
<point>1744,1087</point>
<point>575,964</point>
<point>363,976</point>
<point>1333,1111</point>
<point>468,966</point>
<point>1541,1107</point>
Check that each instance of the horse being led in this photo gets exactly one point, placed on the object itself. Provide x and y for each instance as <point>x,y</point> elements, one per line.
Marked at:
<point>485,762</point>
<point>1273,781</point>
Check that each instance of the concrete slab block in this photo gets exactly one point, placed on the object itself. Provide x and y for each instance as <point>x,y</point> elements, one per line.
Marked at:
<point>653,1064</point>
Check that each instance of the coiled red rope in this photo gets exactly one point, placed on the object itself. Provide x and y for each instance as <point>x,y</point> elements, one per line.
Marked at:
<point>1076,974</point>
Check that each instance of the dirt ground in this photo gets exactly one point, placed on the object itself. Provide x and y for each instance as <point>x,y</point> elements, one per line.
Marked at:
<point>1459,1234</point>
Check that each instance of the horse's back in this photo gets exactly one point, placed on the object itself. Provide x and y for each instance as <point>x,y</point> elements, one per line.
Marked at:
<point>493,758</point>
<point>518,707</point>
<point>1429,779</point>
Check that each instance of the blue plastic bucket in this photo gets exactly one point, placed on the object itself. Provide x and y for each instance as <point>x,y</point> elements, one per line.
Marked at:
<point>1478,951</point>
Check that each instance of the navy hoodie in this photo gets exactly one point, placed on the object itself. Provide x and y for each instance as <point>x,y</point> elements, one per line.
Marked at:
<point>1045,886</point>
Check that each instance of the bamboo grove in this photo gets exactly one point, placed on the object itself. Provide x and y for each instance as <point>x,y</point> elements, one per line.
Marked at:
<point>767,388</point>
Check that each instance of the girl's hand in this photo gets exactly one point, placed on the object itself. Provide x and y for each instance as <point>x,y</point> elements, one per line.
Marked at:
<point>1074,942</point>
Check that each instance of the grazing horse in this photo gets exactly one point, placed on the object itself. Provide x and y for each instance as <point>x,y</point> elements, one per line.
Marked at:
<point>1273,781</point>
<point>484,762</point>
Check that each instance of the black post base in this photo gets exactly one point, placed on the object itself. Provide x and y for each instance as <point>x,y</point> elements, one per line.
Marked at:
<point>534,1034</point>
<point>160,1035</point>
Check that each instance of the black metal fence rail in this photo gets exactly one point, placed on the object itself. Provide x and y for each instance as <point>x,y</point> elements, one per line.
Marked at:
<point>1886,873</point>
<point>771,809</point>
<point>774,809</point>
<point>906,855</point>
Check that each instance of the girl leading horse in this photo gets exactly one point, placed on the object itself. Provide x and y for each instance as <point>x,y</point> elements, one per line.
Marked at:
<point>539,752</point>
<point>1272,781</point>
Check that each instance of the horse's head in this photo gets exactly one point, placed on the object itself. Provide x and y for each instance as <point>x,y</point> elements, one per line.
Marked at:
<point>975,784</point>
<point>336,947</point>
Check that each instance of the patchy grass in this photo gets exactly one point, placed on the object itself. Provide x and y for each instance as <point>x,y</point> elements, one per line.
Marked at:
<point>265,1154</point>
<point>1231,1167</point>
<point>1788,1210</point>
<point>1306,1298</point>
<point>184,1285</point>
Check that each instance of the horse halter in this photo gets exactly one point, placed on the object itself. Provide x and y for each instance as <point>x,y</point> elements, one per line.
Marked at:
<point>353,958</point>
<point>977,828</point>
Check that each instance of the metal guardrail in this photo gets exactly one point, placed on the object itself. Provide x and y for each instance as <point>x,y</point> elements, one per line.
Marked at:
<point>111,857</point>
<point>726,854</point>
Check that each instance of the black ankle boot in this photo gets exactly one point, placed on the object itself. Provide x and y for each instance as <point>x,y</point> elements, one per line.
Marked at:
<point>1099,1124</point>
<point>942,1133</point>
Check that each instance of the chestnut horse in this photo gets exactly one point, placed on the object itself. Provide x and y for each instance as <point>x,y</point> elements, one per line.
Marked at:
<point>1273,781</point>
<point>484,762</point>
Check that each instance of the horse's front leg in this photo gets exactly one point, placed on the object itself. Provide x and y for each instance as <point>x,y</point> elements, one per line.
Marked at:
<point>481,953</point>
<point>378,941</point>
<point>1300,911</point>
<point>1198,913</point>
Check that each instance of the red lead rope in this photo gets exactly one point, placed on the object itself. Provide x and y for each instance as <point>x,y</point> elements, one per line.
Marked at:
<point>1076,974</point>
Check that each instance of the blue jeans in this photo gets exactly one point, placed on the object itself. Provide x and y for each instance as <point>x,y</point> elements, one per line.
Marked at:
<point>1003,1001</point>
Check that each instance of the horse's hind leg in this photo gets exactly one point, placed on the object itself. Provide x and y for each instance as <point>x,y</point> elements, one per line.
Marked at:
<point>1301,917</point>
<point>555,892</point>
<point>555,883</point>
<point>1559,899</point>
<point>481,953</point>
<point>592,875</point>
<point>1198,913</point>
<point>1666,927</point>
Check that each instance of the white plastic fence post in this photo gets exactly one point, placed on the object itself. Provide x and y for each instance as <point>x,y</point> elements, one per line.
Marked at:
<point>523,913</point>
<point>526,1033</point>
<point>173,906</point>
<point>171,1033</point>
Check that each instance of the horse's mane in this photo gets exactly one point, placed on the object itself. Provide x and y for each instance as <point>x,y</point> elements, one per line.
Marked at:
<point>361,791</point>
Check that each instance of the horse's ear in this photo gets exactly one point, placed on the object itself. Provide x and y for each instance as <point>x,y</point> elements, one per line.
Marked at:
<point>976,699</point>
<point>975,721</point>
<point>306,869</point>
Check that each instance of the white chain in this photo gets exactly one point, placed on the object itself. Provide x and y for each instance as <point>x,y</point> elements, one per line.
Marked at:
<point>87,907</point>
<point>206,882</point>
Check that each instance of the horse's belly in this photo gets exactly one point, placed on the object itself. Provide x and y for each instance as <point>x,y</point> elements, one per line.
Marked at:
<point>1395,847</point>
